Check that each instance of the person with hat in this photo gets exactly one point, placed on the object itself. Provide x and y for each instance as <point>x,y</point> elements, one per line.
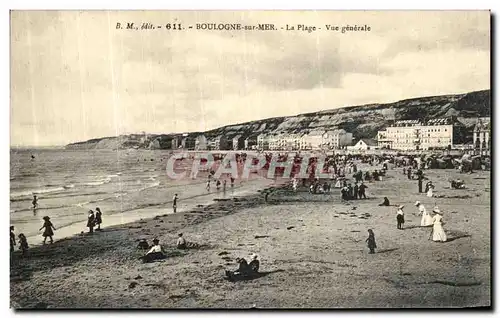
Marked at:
<point>49,227</point>
<point>426,217</point>
<point>98,218</point>
<point>400,217</point>
<point>429,187</point>
<point>254,263</point>
<point>155,253</point>
<point>438,234</point>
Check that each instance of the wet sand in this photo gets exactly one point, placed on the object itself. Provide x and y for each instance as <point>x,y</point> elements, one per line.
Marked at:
<point>312,250</point>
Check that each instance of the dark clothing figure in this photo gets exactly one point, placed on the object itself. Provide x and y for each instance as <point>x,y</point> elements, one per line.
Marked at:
<point>155,253</point>
<point>385,203</point>
<point>224,185</point>
<point>91,221</point>
<point>355,192</point>
<point>151,257</point>
<point>23,244</point>
<point>361,191</point>
<point>409,173</point>
<point>12,239</point>
<point>232,182</point>
<point>420,176</point>
<point>217,184</point>
<point>98,219</point>
<point>35,202</point>
<point>174,203</point>
<point>345,193</point>
<point>49,227</point>
<point>350,192</point>
<point>372,245</point>
<point>400,218</point>
<point>367,176</point>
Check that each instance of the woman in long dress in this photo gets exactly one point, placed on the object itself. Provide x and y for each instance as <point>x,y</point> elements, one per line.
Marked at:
<point>438,234</point>
<point>426,217</point>
<point>49,227</point>
<point>430,189</point>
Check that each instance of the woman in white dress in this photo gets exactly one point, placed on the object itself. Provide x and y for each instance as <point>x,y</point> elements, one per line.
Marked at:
<point>426,217</point>
<point>438,234</point>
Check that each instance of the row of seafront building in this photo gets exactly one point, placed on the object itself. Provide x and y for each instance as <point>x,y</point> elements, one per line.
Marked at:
<point>402,135</point>
<point>432,134</point>
<point>314,140</point>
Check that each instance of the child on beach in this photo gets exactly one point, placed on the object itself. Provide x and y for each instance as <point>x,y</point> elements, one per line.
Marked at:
<point>23,244</point>
<point>371,241</point>
<point>91,221</point>
<point>400,217</point>
<point>208,185</point>
<point>49,227</point>
<point>98,218</point>
<point>35,202</point>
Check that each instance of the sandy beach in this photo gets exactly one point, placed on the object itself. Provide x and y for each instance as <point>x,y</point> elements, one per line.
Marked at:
<point>311,247</point>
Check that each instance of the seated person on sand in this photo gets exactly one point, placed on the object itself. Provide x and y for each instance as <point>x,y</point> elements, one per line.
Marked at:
<point>385,203</point>
<point>245,269</point>
<point>181,242</point>
<point>457,184</point>
<point>155,253</point>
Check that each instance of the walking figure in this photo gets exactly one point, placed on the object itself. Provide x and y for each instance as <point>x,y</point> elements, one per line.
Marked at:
<point>49,227</point>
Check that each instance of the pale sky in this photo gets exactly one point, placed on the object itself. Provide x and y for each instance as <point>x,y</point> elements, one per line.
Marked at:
<point>74,76</point>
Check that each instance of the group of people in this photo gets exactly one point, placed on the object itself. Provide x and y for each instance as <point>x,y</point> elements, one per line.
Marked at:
<point>23,242</point>
<point>218,183</point>
<point>348,192</point>
<point>436,221</point>
<point>156,251</point>
<point>94,220</point>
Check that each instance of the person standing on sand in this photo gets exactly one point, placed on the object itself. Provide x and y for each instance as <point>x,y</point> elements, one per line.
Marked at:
<point>400,217</point>
<point>372,245</point>
<point>98,218</point>
<point>174,204</point>
<point>23,244</point>
<point>232,182</point>
<point>12,239</point>
<point>438,234</point>
<point>91,221</point>
<point>426,218</point>
<point>217,184</point>
<point>361,191</point>
<point>49,227</point>
<point>224,185</point>
<point>208,185</point>
<point>34,202</point>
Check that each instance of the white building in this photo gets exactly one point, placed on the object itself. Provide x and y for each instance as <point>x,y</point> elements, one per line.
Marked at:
<point>262,142</point>
<point>482,134</point>
<point>415,135</point>
<point>336,139</point>
<point>364,144</point>
<point>313,140</point>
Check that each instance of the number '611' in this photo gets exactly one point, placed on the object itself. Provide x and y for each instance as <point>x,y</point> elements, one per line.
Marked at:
<point>173,26</point>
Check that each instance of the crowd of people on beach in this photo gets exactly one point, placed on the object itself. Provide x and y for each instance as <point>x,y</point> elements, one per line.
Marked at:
<point>338,167</point>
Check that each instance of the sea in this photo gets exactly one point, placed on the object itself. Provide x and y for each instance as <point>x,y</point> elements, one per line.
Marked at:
<point>127,185</point>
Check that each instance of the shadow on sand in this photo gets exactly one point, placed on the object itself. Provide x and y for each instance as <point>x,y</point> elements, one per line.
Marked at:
<point>238,278</point>
<point>456,237</point>
<point>388,250</point>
